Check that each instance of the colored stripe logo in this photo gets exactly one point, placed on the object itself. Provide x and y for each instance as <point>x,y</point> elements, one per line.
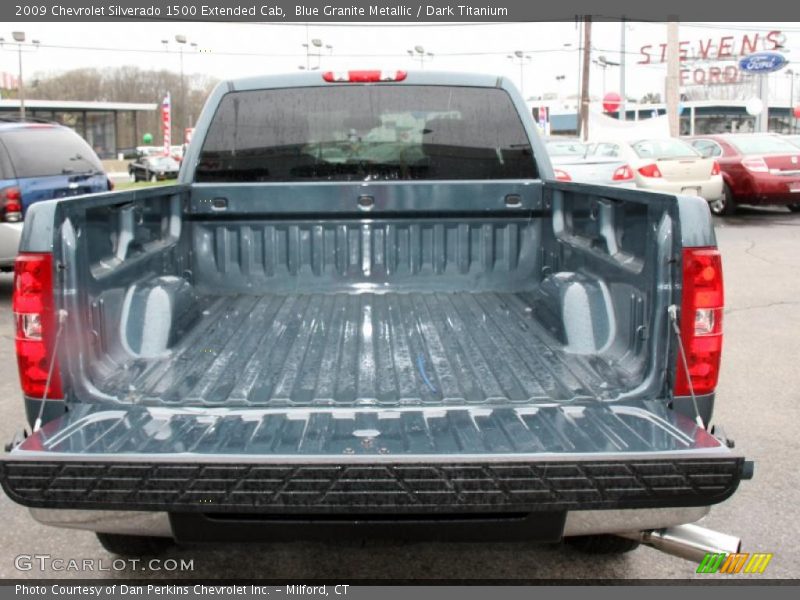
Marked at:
<point>733,564</point>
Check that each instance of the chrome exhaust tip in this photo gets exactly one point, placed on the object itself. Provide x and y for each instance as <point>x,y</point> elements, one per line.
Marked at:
<point>690,542</point>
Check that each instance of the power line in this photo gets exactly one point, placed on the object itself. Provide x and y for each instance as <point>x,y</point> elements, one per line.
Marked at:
<point>697,24</point>
<point>398,54</point>
<point>346,55</point>
<point>296,54</point>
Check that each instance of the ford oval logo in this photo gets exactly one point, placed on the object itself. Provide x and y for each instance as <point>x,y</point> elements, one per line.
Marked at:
<point>763,62</point>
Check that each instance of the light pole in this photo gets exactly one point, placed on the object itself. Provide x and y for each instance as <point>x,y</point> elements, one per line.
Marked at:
<point>521,59</point>
<point>181,39</point>
<point>559,79</point>
<point>604,63</point>
<point>419,53</point>
<point>319,45</point>
<point>19,38</point>
<point>308,52</point>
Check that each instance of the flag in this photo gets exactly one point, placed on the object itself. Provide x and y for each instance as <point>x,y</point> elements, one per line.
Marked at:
<point>544,120</point>
<point>166,123</point>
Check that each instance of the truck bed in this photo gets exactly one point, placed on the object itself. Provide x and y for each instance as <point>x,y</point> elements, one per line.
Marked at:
<point>390,349</point>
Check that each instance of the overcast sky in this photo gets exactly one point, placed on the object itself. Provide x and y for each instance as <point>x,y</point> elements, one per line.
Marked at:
<point>267,48</point>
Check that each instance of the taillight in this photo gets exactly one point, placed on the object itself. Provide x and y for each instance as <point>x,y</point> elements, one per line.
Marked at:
<point>561,175</point>
<point>701,321</point>
<point>715,170</point>
<point>651,170</point>
<point>11,205</point>
<point>755,164</point>
<point>35,316</point>
<point>623,173</point>
<point>363,76</point>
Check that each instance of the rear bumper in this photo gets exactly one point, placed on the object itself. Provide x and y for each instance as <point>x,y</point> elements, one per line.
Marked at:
<point>768,189</point>
<point>212,528</point>
<point>520,486</point>
<point>709,189</point>
<point>776,192</point>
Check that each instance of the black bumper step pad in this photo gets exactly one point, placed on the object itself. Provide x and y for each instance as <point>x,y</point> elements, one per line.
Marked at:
<point>379,488</point>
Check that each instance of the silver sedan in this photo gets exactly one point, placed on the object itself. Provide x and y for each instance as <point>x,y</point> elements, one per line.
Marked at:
<point>572,162</point>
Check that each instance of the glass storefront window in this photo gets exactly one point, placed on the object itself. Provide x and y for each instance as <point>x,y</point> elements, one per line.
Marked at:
<point>42,114</point>
<point>100,133</point>
<point>71,119</point>
<point>97,127</point>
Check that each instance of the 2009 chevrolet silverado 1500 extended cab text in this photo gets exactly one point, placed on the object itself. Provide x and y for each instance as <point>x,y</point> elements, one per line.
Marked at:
<point>367,305</point>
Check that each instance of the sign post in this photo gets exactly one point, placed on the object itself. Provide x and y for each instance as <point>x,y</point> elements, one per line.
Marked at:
<point>762,120</point>
<point>672,90</point>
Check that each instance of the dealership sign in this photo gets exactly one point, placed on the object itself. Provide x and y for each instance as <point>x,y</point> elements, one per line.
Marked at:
<point>763,62</point>
<point>713,61</point>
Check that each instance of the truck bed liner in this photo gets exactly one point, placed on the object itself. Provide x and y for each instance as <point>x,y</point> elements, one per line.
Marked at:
<point>390,349</point>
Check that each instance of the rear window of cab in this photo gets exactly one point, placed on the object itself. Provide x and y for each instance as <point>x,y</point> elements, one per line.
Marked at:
<point>366,133</point>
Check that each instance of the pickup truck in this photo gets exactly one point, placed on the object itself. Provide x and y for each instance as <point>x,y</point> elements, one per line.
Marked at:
<point>367,307</point>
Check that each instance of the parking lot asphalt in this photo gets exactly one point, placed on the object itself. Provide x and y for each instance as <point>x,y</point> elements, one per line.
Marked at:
<point>758,404</point>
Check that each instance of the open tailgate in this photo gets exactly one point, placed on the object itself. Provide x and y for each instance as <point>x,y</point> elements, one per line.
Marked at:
<point>549,457</point>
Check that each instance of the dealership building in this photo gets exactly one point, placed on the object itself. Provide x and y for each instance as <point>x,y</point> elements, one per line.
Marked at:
<point>111,128</point>
<point>697,116</point>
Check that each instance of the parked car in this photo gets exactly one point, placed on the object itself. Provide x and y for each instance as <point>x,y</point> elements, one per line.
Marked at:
<point>175,151</point>
<point>665,165</point>
<point>758,169</point>
<point>40,161</point>
<point>369,306</point>
<point>794,138</point>
<point>154,168</point>
<point>573,163</point>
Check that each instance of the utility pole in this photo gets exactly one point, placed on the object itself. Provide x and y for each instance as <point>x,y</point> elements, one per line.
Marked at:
<point>672,87</point>
<point>579,22</point>
<point>583,122</point>
<point>623,115</point>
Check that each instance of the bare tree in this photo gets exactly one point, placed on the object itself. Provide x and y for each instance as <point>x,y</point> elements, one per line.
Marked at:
<point>128,84</point>
<point>651,98</point>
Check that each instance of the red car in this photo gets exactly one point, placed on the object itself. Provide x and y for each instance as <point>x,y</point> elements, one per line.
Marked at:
<point>757,168</point>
